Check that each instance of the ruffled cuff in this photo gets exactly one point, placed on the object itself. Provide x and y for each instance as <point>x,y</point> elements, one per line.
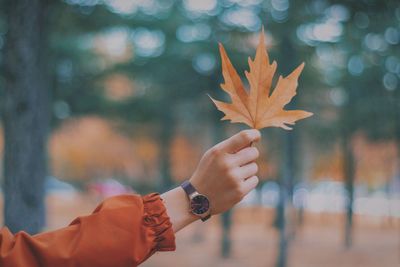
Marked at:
<point>156,218</point>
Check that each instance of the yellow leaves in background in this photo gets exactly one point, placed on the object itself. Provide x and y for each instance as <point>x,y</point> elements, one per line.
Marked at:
<point>118,87</point>
<point>375,161</point>
<point>184,156</point>
<point>89,148</point>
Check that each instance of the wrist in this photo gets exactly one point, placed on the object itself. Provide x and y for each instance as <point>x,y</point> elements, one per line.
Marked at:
<point>186,203</point>
<point>199,204</point>
<point>176,203</point>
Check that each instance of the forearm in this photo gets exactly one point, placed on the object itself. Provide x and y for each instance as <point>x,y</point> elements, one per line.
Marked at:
<point>130,228</point>
<point>177,205</point>
<point>122,229</point>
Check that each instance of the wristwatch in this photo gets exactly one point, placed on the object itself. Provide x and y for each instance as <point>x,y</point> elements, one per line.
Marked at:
<point>199,204</point>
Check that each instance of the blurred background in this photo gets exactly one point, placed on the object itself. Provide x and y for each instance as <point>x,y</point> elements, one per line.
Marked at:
<point>103,97</point>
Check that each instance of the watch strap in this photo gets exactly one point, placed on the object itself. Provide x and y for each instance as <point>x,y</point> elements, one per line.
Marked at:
<point>189,190</point>
<point>206,218</point>
<point>188,187</point>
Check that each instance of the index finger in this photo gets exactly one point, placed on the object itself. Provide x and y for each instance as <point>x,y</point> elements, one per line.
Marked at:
<point>240,140</point>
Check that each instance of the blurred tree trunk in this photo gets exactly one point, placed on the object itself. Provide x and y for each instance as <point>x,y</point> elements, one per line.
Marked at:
<point>280,222</point>
<point>25,115</point>
<point>288,166</point>
<point>395,182</point>
<point>397,133</point>
<point>349,173</point>
<point>226,242</point>
<point>226,217</point>
<point>347,130</point>
<point>285,193</point>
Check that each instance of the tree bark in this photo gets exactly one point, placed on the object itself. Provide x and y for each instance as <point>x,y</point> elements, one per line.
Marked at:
<point>349,173</point>
<point>347,130</point>
<point>288,165</point>
<point>285,195</point>
<point>25,115</point>
<point>218,134</point>
<point>226,242</point>
<point>397,134</point>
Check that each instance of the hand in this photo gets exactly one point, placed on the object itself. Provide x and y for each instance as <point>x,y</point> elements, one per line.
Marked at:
<point>227,171</point>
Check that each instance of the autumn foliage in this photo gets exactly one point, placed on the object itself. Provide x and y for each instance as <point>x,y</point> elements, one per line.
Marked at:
<point>90,148</point>
<point>258,107</point>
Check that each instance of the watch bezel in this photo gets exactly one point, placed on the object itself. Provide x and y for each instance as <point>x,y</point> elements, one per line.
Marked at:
<point>192,199</point>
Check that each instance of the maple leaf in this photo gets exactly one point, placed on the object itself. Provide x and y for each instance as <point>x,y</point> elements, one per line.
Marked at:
<point>258,107</point>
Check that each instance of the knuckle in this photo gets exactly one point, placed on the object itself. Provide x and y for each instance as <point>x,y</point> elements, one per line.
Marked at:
<point>239,195</point>
<point>235,187</point>
<point>231,175</point>
<point>256,181</point>
<point>255,167</point>
<point>214,151</point>
<point>242,192</point>
<point>225,166</point>
<point>246,135</point>
<point>238,192</point>
<point>238,198</point>
<point>256,152</point>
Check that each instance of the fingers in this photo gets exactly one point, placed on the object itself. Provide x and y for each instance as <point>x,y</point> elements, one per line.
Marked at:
<point>249,184</point>
<point>247,171</point>
<point>240,140</point>
<point>244,156</point>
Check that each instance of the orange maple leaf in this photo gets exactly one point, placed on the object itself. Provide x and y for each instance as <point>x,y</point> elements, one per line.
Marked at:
<point>258,108</point>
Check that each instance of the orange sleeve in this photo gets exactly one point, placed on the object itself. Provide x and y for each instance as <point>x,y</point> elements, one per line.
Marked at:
<point>123,231</point>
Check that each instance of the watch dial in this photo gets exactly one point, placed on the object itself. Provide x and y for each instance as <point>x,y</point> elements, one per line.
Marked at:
<point>199,204</point>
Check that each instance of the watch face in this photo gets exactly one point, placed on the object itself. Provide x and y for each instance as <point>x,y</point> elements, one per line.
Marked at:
<point>199,204</point>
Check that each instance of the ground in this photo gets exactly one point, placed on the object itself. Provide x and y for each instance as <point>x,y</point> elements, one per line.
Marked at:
<point>317,243</point>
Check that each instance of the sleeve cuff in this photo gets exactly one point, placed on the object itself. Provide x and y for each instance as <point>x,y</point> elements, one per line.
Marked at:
<point>156,218</point>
